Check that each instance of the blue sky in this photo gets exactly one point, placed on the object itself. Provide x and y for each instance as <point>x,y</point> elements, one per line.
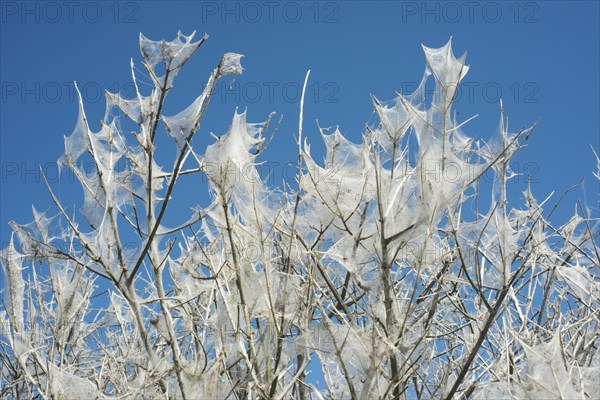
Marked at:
<point>541,57</point>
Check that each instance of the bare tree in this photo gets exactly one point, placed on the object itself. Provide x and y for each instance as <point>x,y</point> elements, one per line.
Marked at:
<point>384,272</point>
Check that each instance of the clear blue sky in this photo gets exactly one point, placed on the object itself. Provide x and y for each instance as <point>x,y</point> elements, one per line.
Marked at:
<point>542,57</point>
